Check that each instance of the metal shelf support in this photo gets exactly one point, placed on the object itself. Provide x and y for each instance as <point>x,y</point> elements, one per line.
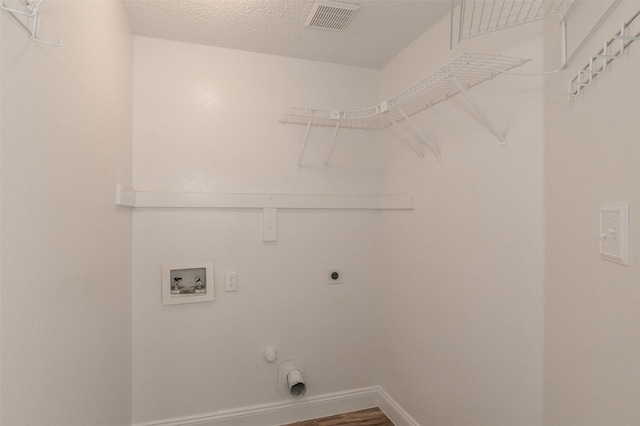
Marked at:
<point>435,149</point>
<point>269,204</point>
<point>333,141</point>
<point>304,142</point>
<point>418,151</point>
<point>481,113</point>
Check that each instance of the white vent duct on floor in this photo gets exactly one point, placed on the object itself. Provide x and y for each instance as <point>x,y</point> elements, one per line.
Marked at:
<point>331,15</point>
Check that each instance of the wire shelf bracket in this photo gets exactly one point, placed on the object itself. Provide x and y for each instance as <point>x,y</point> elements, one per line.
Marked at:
<point>458,76</point>
<point>416,149</point>
<point>30,11</point>
<point>482,115</point>
<point>612,49</point>
<point>433,148</point>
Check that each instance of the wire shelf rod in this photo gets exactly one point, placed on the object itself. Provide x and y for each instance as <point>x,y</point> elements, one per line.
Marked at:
<point>493,4</point>
<point>526,17</point>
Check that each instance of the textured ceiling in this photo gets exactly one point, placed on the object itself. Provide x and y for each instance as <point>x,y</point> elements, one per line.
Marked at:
<point>379,31</point>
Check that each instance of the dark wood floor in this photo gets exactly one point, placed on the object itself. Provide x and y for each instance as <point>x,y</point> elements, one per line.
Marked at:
<point>368,417</point>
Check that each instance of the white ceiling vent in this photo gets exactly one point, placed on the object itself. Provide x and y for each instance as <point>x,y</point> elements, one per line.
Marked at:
<point>331,15</point>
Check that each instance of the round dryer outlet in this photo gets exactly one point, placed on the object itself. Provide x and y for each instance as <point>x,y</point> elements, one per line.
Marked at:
<point>284,369</point>
<point>334,276</point>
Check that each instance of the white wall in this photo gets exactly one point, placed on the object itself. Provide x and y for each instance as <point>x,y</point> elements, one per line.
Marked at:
<point>66,249</point>
<point>592,307</point>
<point>461,277</point>
<point>449,322</point>
<point>206,119</point>
<point>1,31</point>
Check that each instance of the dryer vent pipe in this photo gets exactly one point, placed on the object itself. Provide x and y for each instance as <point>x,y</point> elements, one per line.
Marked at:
<point>296,383</point>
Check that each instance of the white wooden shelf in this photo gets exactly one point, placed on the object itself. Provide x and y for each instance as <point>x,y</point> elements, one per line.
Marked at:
<point>268,203</point>
<point>150,199</point>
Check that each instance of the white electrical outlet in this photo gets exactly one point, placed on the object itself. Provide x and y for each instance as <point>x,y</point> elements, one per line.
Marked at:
<point>231,281</point>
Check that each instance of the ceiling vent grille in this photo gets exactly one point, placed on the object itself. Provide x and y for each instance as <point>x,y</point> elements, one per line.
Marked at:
<point>331,15</point>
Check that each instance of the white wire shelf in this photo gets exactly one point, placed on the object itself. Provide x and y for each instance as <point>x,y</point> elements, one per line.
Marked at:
<point>479,17</point>
<point>468,69</point>
<point>457,76</point>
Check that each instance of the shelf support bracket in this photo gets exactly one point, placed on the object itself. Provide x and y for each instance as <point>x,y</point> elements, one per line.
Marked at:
<point>435,150</point>
<point>333,141</point>
<point>304,142</point>
<point>415,149</point>
<point>481,113</point>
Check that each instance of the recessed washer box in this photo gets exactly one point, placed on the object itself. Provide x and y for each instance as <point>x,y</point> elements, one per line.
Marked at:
<point>187,283</point>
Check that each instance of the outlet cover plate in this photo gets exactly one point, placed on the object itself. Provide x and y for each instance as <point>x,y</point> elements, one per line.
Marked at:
<point>231,281</point>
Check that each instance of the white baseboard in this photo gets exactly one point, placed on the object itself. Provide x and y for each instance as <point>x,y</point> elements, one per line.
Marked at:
<point>395,412</point>
<point>283,412</point>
